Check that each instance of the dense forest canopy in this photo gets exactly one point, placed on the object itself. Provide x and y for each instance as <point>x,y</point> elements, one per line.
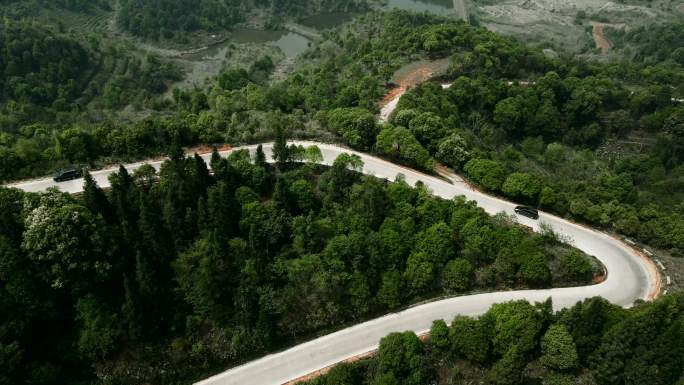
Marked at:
<point>558,133</point>
<point>518,343</point>
<point>38,67</point>
<point>227,266</point>
<point>169,276</point>
<point>167,19</point>
<point>653,43</point>
<point>50,81</point>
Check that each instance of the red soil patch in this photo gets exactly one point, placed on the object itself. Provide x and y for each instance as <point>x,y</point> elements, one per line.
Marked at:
<point>601,41</point>
<point>204,149</point>
<point>409,77</point>
<point>393,93</point>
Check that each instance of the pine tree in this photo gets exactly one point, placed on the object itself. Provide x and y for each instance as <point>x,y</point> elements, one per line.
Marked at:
<point>280,150</point>
<point>96,200</point>
<point>131,309</point>
<point>260,157</point>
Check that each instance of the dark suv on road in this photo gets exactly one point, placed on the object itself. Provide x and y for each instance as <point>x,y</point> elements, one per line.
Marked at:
<point>526,211</point>
<point>68,174</point>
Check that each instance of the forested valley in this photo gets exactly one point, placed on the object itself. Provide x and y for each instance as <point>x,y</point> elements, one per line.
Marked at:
<point>542,131</point>
<point>172,275</point>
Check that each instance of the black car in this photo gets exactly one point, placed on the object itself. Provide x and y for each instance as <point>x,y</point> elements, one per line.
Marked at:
<point>69,174</point>
<point>526,211</point>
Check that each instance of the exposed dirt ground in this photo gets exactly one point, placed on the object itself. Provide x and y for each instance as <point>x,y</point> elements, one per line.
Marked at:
<point>602,42</point>
<point>558,22</point>
<point>409,76</point>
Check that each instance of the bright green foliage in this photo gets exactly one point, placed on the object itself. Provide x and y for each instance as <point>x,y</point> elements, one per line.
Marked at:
<point>558,349</point>
<point>419,272</point>
<point>521,186</point>
<point>641,345</point>
<point>401,355</point>
<point>470,338</point>
<point>312,155</point>
<point>508,370</point>
<point>439,335</point>
<point>428,128</point>
<point>457,275</point>
<point>438,243</point>
<point>399,143</point>
<point>453,151</point>
<point>68,240</point>
<point>576,267</point>
<point>390,289</point>
<point>516,326</point>
<point>488,173</point>
<point>355,125</point>
<point>555,378</point>
<point>534,270</point>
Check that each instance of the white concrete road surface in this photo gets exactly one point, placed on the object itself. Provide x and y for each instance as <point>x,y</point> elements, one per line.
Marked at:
<point>629,278</point>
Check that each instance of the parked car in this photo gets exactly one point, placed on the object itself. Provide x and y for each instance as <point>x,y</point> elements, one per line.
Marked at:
<point>68,174</point>
<point>526,211</point>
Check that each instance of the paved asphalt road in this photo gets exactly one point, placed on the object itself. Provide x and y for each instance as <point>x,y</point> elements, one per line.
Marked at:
<point>629,278</point>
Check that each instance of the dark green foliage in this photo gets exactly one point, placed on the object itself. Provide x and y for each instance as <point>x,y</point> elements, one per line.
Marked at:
<point>172,19</point>
<point>400,357</point>
<point>233,262</point>
<point>575,267</point>
<point>486,172</point>
<point>457,275</point>
<point>40,68</point>
<point>355,125</point>
<point>643,345</point>
<point>470,338</point>
<point>398,143</point>
<point>164,19</point>
<point>558,349</point>
<point>654,43</point>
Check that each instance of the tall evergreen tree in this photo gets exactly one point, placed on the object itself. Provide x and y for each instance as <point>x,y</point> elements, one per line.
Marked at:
<point>96,200</point>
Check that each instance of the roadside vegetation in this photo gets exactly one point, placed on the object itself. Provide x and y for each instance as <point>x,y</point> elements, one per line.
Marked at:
<point>167,277</point>
<point>514,343</point>
<point>562,134</point>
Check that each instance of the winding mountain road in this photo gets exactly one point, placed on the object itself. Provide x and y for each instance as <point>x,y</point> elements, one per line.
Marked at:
<point>630,277</point>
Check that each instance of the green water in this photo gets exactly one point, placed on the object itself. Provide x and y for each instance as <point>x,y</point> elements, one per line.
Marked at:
<point>292,44</point>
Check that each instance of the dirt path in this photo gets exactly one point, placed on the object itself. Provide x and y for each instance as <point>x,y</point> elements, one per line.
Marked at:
<point>409,76</point>
<point>602,42</point>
